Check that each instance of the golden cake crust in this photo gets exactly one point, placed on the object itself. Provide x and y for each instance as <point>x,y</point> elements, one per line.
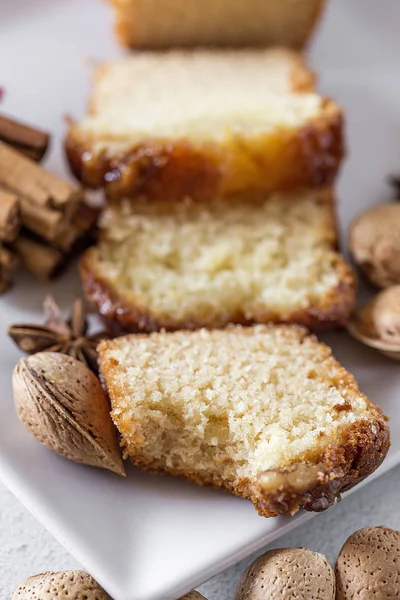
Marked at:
<point>122,316</point>
<point>358,451</point>
<point>342,466</point>
<point>283,160</point>
<point>128,27</point>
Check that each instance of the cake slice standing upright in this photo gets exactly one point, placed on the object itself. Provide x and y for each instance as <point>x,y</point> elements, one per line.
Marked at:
<point>206,123</point>
<point>167,23</point>
<point>187,265</point>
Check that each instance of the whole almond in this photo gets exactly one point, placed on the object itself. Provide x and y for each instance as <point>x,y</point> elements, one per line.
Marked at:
<point>65,585</point>
<point>374,242</point>
<point>288,574</point>
<point>368,565</point>
<point>377,324</point>
<point>62,404</point>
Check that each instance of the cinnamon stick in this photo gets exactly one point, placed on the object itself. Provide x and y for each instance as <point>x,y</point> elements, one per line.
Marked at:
<point>41,260</point>
<point>26,178</point>
<point>28,140</point>
<point>7,264</point>
<point>81,229</point>
<point>44,222</point>
<point>9,216</point>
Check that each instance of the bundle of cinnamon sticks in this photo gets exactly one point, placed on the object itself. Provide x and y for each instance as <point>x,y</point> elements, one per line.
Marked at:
<point>42,217</point>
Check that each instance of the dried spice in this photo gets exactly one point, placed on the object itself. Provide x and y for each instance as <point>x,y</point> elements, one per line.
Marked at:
<point>29,140</point>
<point>8,262</point>
<point>395,184</point>
<point>60,335</point>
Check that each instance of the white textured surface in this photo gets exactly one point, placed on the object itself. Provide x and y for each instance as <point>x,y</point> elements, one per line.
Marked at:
<point>26,548</point>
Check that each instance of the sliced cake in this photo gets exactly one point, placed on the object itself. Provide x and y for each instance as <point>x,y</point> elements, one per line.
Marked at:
<point>201,123</point>
<point>187,264</point>
<point>165,23</point>
<point>265,412</point>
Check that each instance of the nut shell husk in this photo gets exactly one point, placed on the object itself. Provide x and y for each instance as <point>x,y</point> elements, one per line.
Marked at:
<point>374,242</point>
<point>62,404</point>
<point>377,324</point>
<point>286,574</point>
<point>384,315</point>
<point>64,585</point>
<point>368,565</point>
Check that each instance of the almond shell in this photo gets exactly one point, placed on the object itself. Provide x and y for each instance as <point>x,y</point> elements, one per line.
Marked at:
<point>62,404</point>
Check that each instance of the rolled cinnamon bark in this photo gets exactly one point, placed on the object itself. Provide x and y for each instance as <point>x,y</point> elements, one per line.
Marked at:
<point>8,263</point>
<point>30,141</point>
<point>10,221</point>
<point>42,261</point>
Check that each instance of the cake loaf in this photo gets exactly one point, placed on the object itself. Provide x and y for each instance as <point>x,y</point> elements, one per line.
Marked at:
<point>166,23</point>
<point>203,123</point>
<point>264,412</point>
<point>189,265</point>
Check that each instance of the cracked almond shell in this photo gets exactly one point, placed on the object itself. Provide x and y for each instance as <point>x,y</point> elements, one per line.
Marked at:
<point>374,242</point>
<point>64,585</point>
<point>62,404</point>
<point>377,324</point>
<point>288,574</point>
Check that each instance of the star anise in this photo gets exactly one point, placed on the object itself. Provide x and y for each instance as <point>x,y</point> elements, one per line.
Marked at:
<point>395,184</point>
<point>60,335</point>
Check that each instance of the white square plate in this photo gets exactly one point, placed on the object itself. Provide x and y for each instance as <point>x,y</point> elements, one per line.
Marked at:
<point>147,537</point>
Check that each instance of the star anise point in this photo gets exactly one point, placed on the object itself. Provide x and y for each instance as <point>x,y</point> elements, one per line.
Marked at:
<point>67,336</point>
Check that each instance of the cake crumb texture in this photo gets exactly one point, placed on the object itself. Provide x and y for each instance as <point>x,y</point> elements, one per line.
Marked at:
<point>206,122</point>
<point>191,265</point>
<point>226,407</point>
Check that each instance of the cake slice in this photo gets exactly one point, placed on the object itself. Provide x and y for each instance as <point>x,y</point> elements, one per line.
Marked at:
<point>201,123</point>
<point>191,264</point>
<point>165,23</point>
<point>265,412</point>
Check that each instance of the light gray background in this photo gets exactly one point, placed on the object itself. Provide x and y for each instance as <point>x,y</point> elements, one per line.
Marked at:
<point>27,548</point>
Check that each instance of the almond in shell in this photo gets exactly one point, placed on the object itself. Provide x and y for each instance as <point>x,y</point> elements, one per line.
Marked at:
<point>374,242</point>
<point>368,565</point>
<point>288,574</point>
<point>377,324</point>
<point>62,404</point>
<point>64,585</point>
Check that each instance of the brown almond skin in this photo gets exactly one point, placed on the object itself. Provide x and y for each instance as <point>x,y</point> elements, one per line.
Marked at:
<point>384,313</point>
<point>193,596</point>
<point>368,566</point>
<point>288,574</point>
<point>62,404</point>
<point>64,585</point>
<point>374,242</point>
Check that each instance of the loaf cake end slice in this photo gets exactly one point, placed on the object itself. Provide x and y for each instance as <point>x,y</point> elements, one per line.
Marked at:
<point>166,23</point>
<point>187,265</point>
<point>265,412</point>
<point>200,123</point>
